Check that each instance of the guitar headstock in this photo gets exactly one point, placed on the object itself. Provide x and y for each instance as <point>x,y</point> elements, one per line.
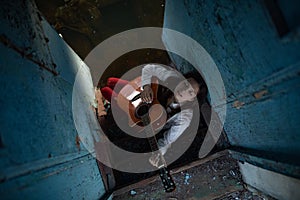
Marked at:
<point>167,180</point>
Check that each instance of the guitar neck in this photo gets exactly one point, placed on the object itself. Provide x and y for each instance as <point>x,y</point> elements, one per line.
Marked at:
<point>164,173</point>
<point>149,132</point>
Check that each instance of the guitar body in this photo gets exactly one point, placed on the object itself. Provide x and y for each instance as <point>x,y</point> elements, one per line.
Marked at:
<point>157,113</point>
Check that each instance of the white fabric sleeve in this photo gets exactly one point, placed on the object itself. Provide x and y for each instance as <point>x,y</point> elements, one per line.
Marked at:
<point>178,123</point>
<point>158,71</point>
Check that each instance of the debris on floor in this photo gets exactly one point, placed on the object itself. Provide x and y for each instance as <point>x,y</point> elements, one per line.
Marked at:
<point>216,179</point>
<point>133,192</point>
<point>186,178</point>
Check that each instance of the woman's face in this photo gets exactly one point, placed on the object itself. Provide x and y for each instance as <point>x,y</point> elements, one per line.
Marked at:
<point>186,90</point>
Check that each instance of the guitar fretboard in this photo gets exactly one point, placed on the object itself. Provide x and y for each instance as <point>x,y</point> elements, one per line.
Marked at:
<point>149,132</point>
<point>164,174</point>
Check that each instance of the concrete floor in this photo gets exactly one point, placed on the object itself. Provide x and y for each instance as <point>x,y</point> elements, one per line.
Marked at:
<point>218,177</point>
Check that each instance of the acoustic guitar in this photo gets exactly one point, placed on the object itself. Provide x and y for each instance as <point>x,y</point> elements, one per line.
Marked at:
<point>129,101</point>
<point>150,116</point>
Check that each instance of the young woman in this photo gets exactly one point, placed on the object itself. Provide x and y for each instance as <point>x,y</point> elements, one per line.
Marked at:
<point>177,94</point>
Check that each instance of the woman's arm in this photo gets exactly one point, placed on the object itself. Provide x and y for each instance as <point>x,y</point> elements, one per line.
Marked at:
<point>178,124</point>
<point>158,71</point>
<point>153,70</point>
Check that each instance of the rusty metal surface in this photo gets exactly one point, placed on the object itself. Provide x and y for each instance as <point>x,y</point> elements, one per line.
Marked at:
<point>27,39</point>
<point>260,70</point>
<point>41,154</point>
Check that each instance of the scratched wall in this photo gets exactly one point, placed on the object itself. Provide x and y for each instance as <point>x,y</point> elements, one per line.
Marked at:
<point>41,155</point>
<point>259,68</point>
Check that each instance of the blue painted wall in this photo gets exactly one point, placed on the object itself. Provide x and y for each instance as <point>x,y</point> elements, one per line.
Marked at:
<point>260,70</point>
<point>41,156</point>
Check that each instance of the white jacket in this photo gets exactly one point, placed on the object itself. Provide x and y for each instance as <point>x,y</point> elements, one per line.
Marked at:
<point>176,124</point>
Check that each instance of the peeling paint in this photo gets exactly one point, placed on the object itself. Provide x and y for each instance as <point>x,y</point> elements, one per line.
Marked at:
<point>259,94</point>
<point>42,150</point>
<point>77,142</point>
<point>238,104</point>
<point>260,71</point>
<point>30,56</point>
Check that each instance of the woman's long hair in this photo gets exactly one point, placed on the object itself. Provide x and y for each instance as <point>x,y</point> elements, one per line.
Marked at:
<point>166,93</point>
<point>202,93</point>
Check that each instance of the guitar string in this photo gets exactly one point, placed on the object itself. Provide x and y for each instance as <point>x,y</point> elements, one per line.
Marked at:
<point>149,131</point>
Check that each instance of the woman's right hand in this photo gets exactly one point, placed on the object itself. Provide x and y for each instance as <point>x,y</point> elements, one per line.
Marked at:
<point>147,94</point>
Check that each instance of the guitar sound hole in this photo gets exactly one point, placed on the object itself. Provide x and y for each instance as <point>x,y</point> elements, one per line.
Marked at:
<point>141,110</point>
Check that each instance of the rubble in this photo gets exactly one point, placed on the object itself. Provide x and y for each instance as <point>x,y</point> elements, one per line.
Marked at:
<point>218,179</point>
